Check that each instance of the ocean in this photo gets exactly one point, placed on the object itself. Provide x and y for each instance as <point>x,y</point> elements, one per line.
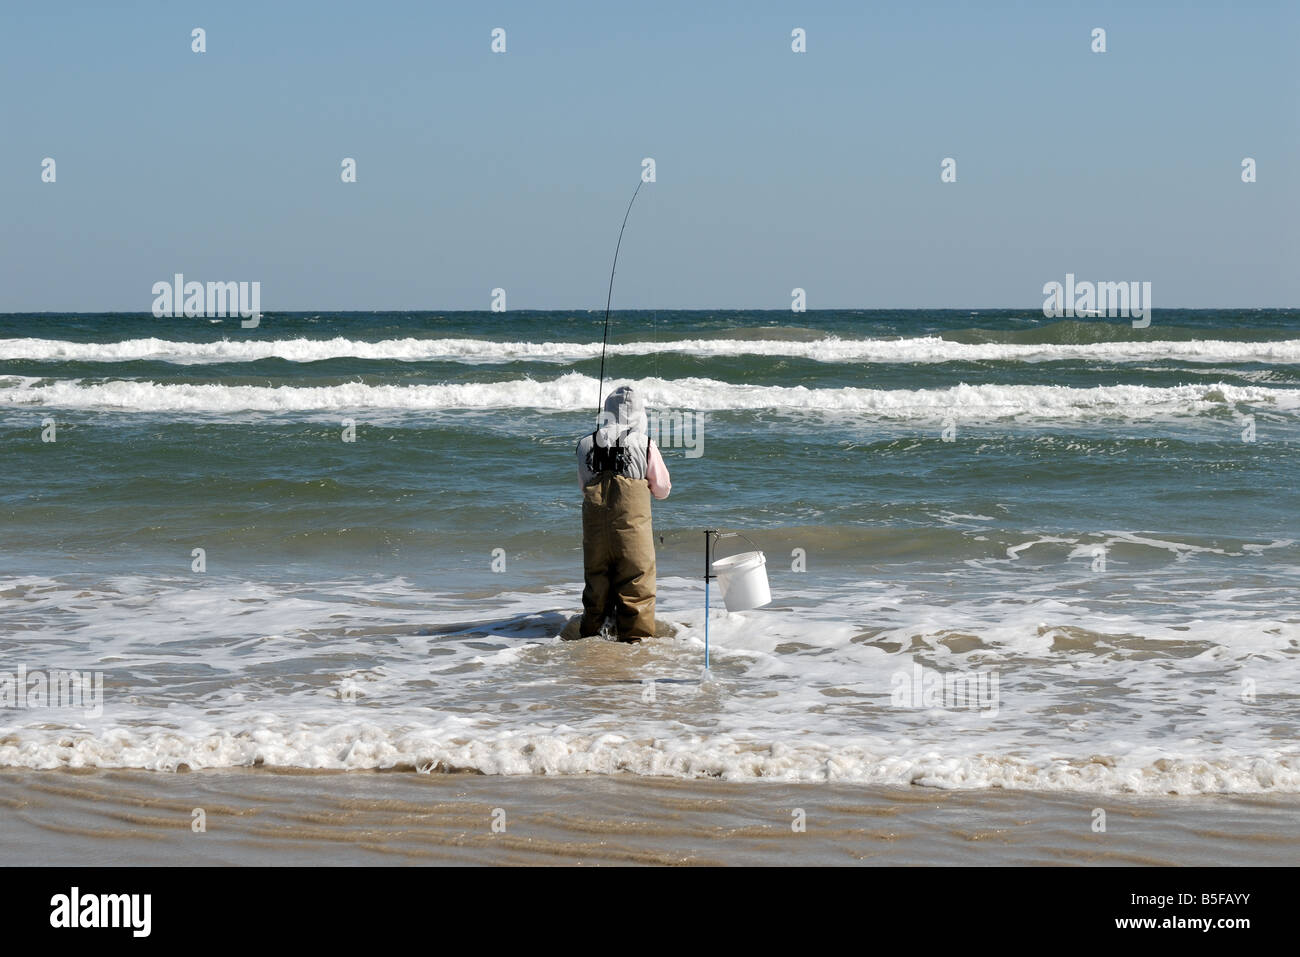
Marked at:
<point>1005,552</point>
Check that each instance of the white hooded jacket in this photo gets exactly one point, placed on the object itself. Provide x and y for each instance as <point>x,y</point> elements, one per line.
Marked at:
<point>623,426</point>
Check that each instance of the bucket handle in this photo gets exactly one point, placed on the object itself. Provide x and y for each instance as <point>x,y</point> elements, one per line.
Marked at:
<point>711,538</point>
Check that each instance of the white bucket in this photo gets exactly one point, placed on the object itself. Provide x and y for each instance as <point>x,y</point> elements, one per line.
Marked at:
<point>743,580</point>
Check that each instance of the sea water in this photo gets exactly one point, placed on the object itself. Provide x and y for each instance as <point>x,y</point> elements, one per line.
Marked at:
<point>1004,550</point>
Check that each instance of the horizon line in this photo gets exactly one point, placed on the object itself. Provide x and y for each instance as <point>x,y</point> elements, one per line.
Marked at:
<point>600,310</point>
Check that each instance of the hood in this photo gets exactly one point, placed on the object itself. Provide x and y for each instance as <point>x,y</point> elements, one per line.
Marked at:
<point>624,415</point>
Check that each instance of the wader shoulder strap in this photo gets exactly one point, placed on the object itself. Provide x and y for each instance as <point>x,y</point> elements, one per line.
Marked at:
<point>614,459</point>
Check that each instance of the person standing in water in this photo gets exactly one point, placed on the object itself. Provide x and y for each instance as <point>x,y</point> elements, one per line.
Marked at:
<point>619,468</point>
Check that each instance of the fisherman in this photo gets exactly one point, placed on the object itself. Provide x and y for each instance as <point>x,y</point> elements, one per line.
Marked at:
<point>619,468</point>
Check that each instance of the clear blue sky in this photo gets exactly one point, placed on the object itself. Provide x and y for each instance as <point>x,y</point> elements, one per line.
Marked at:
<point>775,169</point>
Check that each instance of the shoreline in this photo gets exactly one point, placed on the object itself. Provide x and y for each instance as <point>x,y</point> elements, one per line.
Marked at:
<point>261,816</point>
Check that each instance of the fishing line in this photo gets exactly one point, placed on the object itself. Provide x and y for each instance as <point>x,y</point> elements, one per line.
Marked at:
<point>600,396</point>
<point>654,299</point>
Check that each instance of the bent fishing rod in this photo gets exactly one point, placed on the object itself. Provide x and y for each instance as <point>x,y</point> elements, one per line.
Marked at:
<point>600,396</point>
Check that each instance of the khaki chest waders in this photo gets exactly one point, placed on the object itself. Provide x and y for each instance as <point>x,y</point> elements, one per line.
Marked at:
<point>618,557</point>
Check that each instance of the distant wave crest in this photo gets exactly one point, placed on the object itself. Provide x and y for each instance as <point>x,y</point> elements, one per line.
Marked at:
<point>928,349</point>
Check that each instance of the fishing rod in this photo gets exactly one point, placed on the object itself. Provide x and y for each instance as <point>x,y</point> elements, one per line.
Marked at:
<point>600,396</point>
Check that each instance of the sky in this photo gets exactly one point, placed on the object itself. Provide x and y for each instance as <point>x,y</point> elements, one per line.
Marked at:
<point>774,169</point>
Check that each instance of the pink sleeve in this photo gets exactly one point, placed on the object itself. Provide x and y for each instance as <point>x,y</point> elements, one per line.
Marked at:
<point>656,473</point>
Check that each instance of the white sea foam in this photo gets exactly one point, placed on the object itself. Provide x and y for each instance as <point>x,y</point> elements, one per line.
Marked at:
<point>929,349</point>
<point>364,746</point>
<point>573,391</point>
<point>798,695</point>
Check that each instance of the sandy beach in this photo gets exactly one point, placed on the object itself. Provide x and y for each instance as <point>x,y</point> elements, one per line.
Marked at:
<point>264,817</point>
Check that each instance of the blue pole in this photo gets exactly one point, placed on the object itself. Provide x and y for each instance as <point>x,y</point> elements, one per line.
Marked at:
<point>708,574</point>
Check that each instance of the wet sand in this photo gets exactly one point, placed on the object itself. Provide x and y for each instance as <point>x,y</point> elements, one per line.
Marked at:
<point>265,817</point>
